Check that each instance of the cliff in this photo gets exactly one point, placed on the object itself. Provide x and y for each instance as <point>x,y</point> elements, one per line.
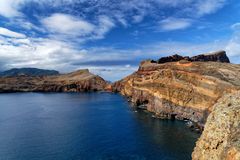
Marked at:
<point>78,81</point>
<point>221,137</point>
<point>183,89</point>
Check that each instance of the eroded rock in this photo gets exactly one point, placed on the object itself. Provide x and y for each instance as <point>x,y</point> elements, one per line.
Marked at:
<point>183,89</point>
<point>220,139</point>
<point>219,56</point>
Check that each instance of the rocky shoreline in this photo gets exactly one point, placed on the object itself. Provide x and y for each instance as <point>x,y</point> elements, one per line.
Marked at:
<point>183,90</point>
<point>174,87</point>
<point>177,87</point>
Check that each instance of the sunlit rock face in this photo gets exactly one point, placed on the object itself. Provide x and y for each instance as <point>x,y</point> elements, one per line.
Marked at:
<point>79,81</point>
<point>182,89</point>
<point>220,139</point>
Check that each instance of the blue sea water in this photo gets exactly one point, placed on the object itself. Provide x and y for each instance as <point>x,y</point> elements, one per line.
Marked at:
<point>86,126</point>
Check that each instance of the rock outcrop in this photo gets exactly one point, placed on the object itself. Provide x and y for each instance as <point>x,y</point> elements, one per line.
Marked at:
<point>173,58</point>
<point>219,56</point>
<point>220,139</point>
<point>78,81</point>
<point>181,90</point>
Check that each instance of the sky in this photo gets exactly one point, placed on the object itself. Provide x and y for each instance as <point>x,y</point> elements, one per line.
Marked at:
<point>111,37</point>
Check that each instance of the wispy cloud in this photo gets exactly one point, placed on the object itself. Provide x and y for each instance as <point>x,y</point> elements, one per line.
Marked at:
<point>233,46</point>
<point>9,33</point>
<point>209,6</point>
<point>171,24</point>
<point>235,26</point>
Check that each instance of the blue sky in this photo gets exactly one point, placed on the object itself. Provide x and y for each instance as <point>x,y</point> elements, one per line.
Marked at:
<point>111,37</point>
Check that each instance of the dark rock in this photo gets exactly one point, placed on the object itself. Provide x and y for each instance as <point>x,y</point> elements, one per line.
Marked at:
<point>173,58</point>
<point>219,56</point>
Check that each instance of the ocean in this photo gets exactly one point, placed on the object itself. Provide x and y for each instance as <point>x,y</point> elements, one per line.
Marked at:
<point>87,126</point>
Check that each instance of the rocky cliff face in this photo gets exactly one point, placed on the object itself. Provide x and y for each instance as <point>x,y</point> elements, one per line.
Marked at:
<point>182,90</point>
<point>221,137</point>
<point>78,81</point>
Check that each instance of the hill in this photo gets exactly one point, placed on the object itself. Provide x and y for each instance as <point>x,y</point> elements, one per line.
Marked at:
<point>27,72</point>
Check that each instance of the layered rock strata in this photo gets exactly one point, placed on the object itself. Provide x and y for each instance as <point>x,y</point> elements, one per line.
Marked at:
<point>181,90</point>
<point>220,139</point>
<point>78,81</point>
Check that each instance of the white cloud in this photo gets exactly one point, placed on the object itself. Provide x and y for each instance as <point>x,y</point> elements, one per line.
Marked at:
<point>67,24</point>
<point>9,33</point>
<point>233,46</point>
<point>64,26</point>
<point>9,8</point>
<point>105,24</point>
<point>171,24</point>
<point>209,6</point>
<point>37,52</point>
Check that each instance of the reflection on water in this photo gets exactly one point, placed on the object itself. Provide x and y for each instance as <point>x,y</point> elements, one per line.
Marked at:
<point>86,126</point>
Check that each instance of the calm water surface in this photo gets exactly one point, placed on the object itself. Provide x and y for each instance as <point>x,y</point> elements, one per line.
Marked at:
<point>86,126</point>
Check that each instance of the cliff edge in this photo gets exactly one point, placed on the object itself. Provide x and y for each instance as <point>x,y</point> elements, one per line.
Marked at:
<point>181,89</point>
<point>220,139</point>
<point>78,81</point>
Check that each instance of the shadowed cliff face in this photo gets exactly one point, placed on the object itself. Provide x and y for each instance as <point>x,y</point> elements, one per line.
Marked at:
<point>221,137</point>
<point>182,90</point>
<point>78,81</point>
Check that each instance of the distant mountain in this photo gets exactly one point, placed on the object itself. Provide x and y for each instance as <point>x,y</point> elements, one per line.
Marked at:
<point>28,72</point>
<point>78,81</point>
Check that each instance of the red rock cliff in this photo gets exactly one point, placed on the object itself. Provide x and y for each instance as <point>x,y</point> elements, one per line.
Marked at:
<point>182,90</point>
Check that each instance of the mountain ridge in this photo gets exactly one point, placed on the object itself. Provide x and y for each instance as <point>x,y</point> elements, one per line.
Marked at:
<point>78,81</point>
<point>27,72</point>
